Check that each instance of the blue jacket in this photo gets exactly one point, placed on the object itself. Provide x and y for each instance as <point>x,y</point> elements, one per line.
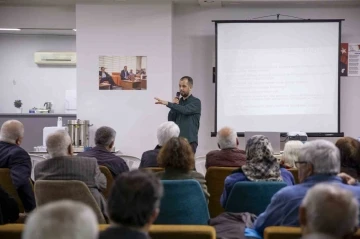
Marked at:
<point>284,207</point>
<point>240,177</point>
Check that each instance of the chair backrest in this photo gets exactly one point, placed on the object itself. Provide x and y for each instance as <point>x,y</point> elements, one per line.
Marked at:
<point>154,169</point>
<point>200,164</point>
<point>215,177</point>
<point>109,180</point>
<point>53,190</point>
<point>183,203</point>
<point>252,197</point>
<point>7,184</point>
<point>14,231</point>
<point>295,173</point>
<point>132,161</point>
<point>35,159</point>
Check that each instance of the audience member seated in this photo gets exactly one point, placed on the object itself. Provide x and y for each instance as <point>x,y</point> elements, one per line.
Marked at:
<point>177,158</point>
<point>15,158</point>
<point>105,77</point>
<point>229,155</point>
<point>166,131</point>
<point>319,162</point>
<point>349,156</point>
<point>133,205</point>
<point>291,154</point>
<point>104,141</point>
<point>330,210</point>
<point>9,210</point>
<point>260,165</point>
<point>60,220</point>
<point>64,166</point>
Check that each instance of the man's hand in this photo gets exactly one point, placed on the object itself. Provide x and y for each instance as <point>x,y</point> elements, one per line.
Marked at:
<point>176,100</point>
<point>347,179</point>
<point>160,102</point>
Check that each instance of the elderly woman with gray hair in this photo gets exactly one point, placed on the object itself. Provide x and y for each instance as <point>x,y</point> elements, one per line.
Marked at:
<point>260,165</point>
<point>291,154</point>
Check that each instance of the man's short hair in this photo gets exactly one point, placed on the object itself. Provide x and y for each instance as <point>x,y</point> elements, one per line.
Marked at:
<point>134,197</point>
<point>227,138</point>
<point>57,143</point>
<point>190,80</point>
<point>11,130</point>
<point>104,136</point>
<point>323,155</point>
<point>330,210</point>
<point>166,131</point>
<point>62,220</point>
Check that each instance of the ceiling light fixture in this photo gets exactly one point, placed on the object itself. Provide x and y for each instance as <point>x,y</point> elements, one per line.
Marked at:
<point>74,30</point>
<point>10,29</point>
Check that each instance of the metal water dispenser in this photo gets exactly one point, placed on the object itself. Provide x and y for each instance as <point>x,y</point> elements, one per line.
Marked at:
<point>79,132</point>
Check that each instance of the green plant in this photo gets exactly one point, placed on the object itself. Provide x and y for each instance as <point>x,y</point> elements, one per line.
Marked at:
<point>18,103</point>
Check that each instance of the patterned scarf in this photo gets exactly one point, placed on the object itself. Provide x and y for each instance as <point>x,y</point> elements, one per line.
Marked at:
<point>261,165</point>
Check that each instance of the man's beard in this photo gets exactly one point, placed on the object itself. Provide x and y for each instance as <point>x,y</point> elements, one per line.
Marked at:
<point>184,94</point>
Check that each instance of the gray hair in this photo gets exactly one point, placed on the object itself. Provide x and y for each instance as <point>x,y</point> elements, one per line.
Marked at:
<point>61,220</point>
<point>166,131</point>
<point>104,136</point>
<point>57,143</point>
<point>323,155</point>
<point>330,210</point>
<point>227,138</point>
<point>291,152</point>
<point>11,130</point>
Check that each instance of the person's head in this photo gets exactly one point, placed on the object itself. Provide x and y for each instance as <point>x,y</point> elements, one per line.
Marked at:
<point>125,68</point>
<point>166,131</point>
<point>131,71</point>
<point>134,199</point>
<point>291,153</point>
<point>105,137</point>
<point>349,156</point>
<point>318,157</point>
<point>58,144</point>
<point>185,86</point>
<point>258,147</point>
<point>61,220</point>
<point>12,131</point>
<point>177,154</point>
<point>330,210</point>
<point>102,69</point>
<point>227,138</point>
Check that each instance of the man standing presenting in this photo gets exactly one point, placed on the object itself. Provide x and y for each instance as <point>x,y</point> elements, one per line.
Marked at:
<point>185,112</point>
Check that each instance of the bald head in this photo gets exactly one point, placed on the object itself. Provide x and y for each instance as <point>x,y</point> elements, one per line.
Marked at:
<point>58,144</point>
<point>12,131</point>
<point>330,210</point>
<point>227,138</point>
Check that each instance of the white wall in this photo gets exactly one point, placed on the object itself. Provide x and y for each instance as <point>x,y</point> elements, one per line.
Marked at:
<point>125,30</point>
<point>194,52</point>
<point>21,78</point>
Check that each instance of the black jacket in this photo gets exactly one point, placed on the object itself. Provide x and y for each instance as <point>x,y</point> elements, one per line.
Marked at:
<point>149,158</point>
<point>18,161</point>
<point>115,232</point>
<point>9,210</point>
<point>115,164</point>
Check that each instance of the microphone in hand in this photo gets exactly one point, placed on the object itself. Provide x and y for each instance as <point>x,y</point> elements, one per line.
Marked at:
<point>177,97</point>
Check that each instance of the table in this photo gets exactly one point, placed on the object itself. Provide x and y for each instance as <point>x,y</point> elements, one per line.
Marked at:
<point>143,84</point>
<point>131,85</point>
<point>104,86</point>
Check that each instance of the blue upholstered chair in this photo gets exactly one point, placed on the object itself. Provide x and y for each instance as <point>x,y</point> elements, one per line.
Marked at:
<point>252,197</point>
<point>183,203</point>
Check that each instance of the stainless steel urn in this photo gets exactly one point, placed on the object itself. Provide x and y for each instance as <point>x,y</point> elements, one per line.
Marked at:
<point>79,132</point>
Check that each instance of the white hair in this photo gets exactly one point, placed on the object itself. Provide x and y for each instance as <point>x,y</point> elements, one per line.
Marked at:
<point>331,210</point>
<point>61,220</point>
<point>166,131</point>
<point>227,138</point>
<point>11,130</point>
<point>57,143</point>
<point>291,152</point>
<point>323,155</point>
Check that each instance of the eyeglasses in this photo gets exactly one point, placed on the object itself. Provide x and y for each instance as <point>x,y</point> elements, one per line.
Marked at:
<point>297,164</point>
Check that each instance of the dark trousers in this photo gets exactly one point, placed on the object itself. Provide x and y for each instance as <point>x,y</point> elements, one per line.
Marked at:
<point>108,79</point>
<point>194,146</point>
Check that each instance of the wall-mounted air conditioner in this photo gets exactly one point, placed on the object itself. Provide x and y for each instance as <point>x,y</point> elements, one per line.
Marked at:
<point>55,58</point>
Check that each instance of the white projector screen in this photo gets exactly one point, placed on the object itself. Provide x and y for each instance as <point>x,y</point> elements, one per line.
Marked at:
<point>278,76</point>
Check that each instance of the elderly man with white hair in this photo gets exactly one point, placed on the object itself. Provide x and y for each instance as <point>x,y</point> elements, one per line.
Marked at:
<point>330,210</point>
<point>62,220</point>
<point>319,162</point>
<point>229,154</point>
<point>64,166</point>
<point>15,158</point>
<point>165,131</point>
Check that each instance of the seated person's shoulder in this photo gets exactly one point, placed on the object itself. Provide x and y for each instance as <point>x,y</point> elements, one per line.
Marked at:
<point>17,151</point>
<point>197,175</point>
<point>212,153</point>
<point>85,159</point>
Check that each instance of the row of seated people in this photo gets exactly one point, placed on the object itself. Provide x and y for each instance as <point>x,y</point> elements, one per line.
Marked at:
<point>326,211</point>
<point>312,166</point>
